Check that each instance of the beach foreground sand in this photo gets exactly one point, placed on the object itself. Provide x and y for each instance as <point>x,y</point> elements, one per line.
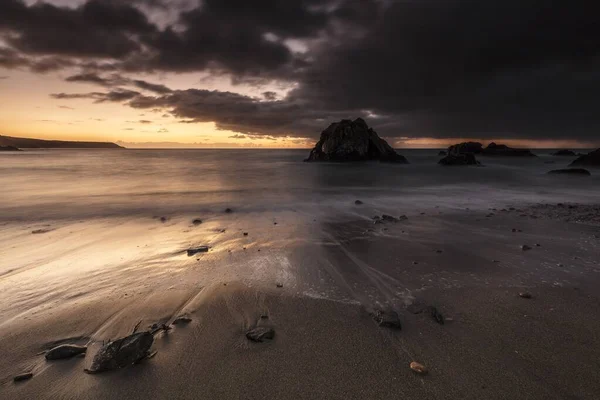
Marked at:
<point>319,296</point>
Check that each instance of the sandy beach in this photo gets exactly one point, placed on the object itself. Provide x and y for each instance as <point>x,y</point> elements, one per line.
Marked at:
<point>316,282</point>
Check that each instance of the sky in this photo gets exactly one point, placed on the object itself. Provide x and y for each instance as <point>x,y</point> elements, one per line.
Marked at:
<point>275,73</point>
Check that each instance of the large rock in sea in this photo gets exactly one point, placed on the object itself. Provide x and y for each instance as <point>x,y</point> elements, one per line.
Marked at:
<point>566,153</point>
<point>570,171</point>
<point>459,159</point>
<point>589,160</point>
<point>353,141</point>
<point>492,149</point>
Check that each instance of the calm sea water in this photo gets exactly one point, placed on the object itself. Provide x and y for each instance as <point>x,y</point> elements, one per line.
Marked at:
<point>77,184</point>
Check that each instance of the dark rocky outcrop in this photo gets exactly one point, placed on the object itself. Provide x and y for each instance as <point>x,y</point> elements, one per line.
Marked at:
<point>65,351</point>
<point>589,160</point>
<point>9,148</point>
<point>27,143</point>
<point>353,141</point>
<point>465,148</point>
<point>122,352</point>
<point>492,149</point>
<point>571,171</point>
<point>459,159</point>
<point>567,153</point>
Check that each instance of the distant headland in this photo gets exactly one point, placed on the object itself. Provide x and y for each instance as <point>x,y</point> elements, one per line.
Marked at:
<point>27,143</point>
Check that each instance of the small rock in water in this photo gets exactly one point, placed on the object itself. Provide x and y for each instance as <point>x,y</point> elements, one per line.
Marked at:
<point>245,233</point>
<point>280,285</point>
<point>436,315</point>
<point>525,295</point>
<point>260,333</point>
<point>201,249</point>
<point>23,377</point>
<point>228,210</point>
<point>65,351</point>
<point>389,218</point>
<point>387,319</point>
<point>182,320</point>
<point>358,202</point>
<point>415,262</point>
<point>197,221</point>
<point>525,247</point>
<point>122,352</point>
<point>418,368</point>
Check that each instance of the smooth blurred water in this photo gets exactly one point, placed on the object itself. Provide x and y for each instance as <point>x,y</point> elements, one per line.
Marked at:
<point>77,184</point>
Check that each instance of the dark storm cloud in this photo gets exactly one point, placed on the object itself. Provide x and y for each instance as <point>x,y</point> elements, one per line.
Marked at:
<point>510,68</point>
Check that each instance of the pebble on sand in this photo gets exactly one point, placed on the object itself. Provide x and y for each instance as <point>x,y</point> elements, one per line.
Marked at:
<point>65,351</point>
<point>525,295</point>
<point>194,251</point>
<point>228,210</point>
<point>525,247</point>
<point>182,320</point>
<point>245,233</point>
<point>358,202</point>
<point>23,377</point>
<point>387,319</point>
<point>197,221</point>
<point>418,368</point>
<point>260,334</point>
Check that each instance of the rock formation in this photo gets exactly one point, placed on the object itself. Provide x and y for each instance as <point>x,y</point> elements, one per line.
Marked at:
<point>589,160</point>
<point>492,149</point>
<point>567,153</point>
<point>353,141</point>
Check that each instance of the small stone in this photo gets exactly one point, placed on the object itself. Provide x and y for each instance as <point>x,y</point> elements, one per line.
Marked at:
<point>514,230</point>
<point>228,210</point>
<point>194,251</point>
<point>525,247</point>
<point>264,316</point>
<point>559,265</point>
<point>197,221</point>
<point>418,368</point>
<point>260,334</point>
<point>358,202</point>
<point>245,233</point>
<point>280,285</point>
<point>538,245</point>
<point>415,262</point>
<point>65,351</point>
<point>439,251</point>
<point>387,319</point>
<point>163,219</point>
<point>436,315</point>
<point>23,377</point>
<point>182,320</point>
<point>495,261</point>
<point>525,295</point>
<point>40,231</point>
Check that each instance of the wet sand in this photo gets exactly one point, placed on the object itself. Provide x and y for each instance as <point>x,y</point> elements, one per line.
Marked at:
<point>93,281</point>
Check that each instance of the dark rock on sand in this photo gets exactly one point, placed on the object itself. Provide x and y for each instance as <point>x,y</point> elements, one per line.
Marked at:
<point>567,153</point>
<point>571,171</point>
<point>260,334</point>
<point>41,231</point>
<point>23,377</point>
<point>228,210</point>
<point>591,159</point>
<point>525,247</point>
<point>525,295</point>
<point>358,202</point>
<point>459,159</point>
<point>9,148</point>
<point>122,352</point>
<point>182,320</point>
<point>353,141</point>
<point>387,319</point>
<point>418,368</point>
<point>436,315</point>
<point>197,221</point>
<point>65,351</point>
<point>201,249</point>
